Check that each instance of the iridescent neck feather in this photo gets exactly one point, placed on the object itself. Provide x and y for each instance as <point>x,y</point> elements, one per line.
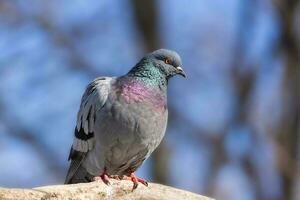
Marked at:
<point>148,74</point>
<point>145,85</point>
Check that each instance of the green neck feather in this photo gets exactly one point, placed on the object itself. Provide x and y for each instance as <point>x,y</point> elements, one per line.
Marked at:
<point>147,73</point>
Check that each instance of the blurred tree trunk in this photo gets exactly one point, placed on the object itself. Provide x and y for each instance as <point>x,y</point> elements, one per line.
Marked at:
<point>288,134</point>
<point>243,83</point>
<point>146,16</point>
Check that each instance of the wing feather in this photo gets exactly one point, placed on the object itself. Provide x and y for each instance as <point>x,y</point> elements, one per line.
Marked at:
<point>92,100</point>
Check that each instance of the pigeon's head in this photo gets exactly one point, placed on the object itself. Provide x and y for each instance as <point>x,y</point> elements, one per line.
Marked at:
<point>167,61</point>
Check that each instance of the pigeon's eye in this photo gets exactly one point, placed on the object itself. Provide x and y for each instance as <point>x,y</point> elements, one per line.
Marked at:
<point>167,61</point>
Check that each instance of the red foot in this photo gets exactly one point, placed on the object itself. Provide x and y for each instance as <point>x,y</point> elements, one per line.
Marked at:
<point>136,180</point>
<point>104,177</point>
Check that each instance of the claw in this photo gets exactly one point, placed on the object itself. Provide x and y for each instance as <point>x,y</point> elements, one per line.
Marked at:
<point>145,183</point>
<point>115,177</point>
<point>104,177</point>
<point>136,180</point>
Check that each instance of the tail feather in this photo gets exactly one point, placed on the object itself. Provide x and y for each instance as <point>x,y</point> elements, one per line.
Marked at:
<point>77,173</point>
<point>80,176</point>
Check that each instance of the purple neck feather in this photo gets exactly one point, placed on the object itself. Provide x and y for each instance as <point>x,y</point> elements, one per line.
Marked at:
<point>134,90</point>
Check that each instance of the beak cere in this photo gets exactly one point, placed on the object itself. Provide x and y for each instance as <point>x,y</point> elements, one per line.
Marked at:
<point>180,71</point>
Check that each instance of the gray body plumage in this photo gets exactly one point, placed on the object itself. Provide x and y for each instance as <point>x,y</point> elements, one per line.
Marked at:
<point>124,134</point>
<point>113,134</point>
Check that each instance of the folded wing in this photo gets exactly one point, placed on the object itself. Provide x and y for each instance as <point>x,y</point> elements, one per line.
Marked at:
<point>92,101</point>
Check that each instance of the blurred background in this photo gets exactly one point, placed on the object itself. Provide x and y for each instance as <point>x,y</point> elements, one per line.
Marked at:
<point>233,130</point>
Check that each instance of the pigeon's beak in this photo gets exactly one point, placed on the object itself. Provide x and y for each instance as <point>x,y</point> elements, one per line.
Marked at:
<point>180,71</point>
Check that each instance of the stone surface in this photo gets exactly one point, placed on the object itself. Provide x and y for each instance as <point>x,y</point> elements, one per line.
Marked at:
<point>98,190</point>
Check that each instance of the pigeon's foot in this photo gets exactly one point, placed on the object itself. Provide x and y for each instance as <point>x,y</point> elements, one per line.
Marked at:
<point>117,177</point>
<point>136,180</point>
<point>104,177</point>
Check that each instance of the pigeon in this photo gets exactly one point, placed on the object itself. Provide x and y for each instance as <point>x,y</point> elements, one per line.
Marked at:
<point>122,120</point>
